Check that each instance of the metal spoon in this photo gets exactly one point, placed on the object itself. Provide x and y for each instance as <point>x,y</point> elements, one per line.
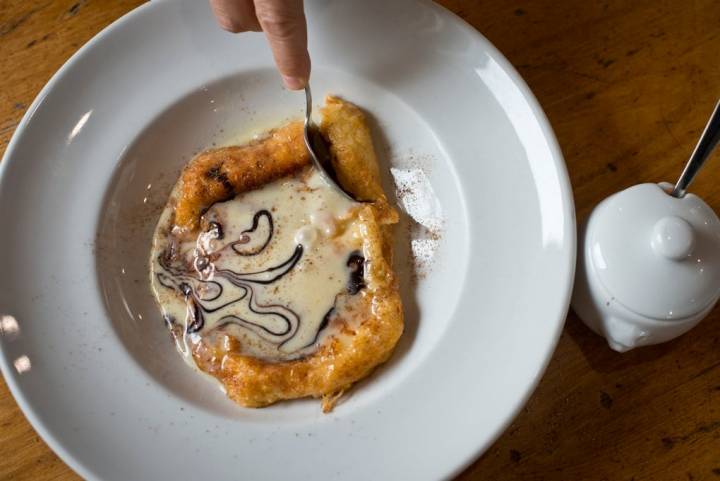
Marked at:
<point>707,143</point>
<point>319,151</point>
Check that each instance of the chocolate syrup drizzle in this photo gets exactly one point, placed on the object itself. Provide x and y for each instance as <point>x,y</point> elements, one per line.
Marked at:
<point>245,234</point>
<point>356,263</point>
<point>199,293</point>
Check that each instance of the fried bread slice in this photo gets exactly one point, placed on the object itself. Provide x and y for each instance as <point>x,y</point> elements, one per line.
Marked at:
<point>365,321</point>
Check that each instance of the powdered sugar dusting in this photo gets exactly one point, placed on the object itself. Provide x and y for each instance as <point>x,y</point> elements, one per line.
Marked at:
<point>418,200</point>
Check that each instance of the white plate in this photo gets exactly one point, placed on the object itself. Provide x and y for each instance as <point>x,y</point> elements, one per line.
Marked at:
<point>84,350</point>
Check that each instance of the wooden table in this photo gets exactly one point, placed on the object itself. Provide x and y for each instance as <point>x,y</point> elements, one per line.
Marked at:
<point>627,86</point>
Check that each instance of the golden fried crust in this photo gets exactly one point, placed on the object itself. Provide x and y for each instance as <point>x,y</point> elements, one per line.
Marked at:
<point>342,360</point>
<point>345,128</point>
<point>220,174</point>
<point>354,160</point>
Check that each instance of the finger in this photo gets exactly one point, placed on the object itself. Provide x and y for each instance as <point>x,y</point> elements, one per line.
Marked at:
<point>283,22</point>
<point>235,15</point>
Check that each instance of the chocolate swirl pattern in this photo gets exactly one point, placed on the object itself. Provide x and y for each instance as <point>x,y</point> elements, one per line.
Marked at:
<point>243,245</point>
<point>272,277</point>
<point>275,323</point>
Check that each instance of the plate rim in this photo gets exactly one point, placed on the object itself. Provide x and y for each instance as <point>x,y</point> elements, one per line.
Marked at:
<point>569,206</point>
<point>55,444</point>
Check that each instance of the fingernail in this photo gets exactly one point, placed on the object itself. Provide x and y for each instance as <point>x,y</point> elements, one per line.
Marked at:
<point>293,83</point>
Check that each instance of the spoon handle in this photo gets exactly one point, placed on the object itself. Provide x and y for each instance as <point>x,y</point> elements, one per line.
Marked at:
<point>708,141</point>
<point>308,104</point>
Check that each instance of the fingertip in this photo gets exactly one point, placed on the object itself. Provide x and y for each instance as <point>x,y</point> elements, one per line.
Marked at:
<point>294,83</point>
<point>227,24</point>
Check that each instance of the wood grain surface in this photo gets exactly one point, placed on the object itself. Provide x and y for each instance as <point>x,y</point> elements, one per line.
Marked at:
<point>627,86</point>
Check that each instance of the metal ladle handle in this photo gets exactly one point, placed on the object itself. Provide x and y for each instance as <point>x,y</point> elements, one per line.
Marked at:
<point>707,143</point>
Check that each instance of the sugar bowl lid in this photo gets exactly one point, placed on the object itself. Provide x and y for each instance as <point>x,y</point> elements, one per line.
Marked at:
<point>656,254</point>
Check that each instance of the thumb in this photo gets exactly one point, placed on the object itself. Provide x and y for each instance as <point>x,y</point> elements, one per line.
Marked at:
<point>283,22</point>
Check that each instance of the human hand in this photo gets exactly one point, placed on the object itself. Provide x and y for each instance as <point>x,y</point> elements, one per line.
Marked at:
<point>283,22</point>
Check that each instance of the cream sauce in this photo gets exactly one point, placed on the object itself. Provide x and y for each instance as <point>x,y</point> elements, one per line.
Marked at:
<point>267,268</point>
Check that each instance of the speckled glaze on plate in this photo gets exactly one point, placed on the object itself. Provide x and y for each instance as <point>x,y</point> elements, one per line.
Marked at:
<point>488,215</point>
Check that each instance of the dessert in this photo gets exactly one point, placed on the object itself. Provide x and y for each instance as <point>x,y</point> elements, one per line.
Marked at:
<point>270,280</point>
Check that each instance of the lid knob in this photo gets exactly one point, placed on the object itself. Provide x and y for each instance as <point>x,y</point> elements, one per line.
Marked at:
<point>673,238</point>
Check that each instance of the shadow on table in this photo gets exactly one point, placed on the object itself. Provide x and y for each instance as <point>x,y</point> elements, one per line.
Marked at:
<point>601,357</point>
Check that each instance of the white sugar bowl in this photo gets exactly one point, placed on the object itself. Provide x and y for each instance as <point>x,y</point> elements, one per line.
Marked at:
<point>648,266</point>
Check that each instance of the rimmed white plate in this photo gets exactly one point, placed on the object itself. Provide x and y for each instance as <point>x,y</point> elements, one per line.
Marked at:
<point>84,350</point>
